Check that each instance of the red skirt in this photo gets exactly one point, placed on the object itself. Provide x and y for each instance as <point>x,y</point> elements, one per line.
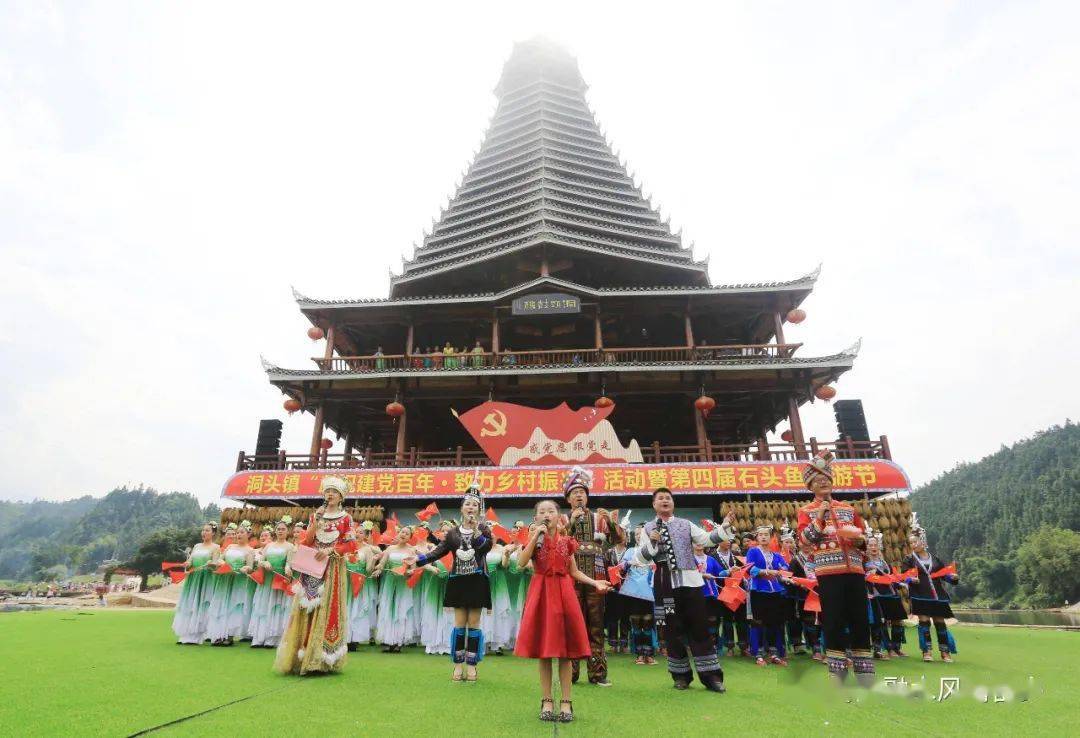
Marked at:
<point>552,625</point>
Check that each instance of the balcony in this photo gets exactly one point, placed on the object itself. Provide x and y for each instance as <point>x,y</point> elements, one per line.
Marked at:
<point>655,454</point>
<point>509,362</point>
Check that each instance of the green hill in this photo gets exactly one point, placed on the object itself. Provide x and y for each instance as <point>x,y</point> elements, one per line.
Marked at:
<point>982,514</point>
<point>52,540</point>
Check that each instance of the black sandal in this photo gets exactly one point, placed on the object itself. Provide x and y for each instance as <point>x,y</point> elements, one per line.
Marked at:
<point>547,716</point>
<point>566,717</point>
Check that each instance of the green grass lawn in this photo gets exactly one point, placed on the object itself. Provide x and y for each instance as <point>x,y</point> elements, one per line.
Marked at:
<point>118,672</point>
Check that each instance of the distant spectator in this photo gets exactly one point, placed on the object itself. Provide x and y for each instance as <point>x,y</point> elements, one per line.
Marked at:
<point>428,361</point>
<point>380,363</point>
<point>508,357</point>
<point>478,354</point>
<point>451,361</point>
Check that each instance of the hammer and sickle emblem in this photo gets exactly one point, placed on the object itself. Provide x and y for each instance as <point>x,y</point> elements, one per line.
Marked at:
<point>497,422</point>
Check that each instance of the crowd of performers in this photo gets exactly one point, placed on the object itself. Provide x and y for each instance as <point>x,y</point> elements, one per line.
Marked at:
<point>569,587</point>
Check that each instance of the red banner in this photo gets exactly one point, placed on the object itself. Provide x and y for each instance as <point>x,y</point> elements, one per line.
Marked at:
<point>756,478</point>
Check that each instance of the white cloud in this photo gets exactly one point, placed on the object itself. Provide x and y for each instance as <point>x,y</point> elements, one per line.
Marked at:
<point>169,170</point>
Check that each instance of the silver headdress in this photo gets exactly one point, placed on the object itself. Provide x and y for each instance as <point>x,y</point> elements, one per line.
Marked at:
<point>474,491</point>
<point>786,534</point>
<point>577,477</point>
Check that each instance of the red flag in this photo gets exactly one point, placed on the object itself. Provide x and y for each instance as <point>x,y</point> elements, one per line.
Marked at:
<point>491,516</point>
<point>880,579</point>
<point>418,536</point>
<point>357,581</point>
<point>774,544</point>
<point>805,583</point>
<point>813,602</point>
<point>414,578</point>
<point>614,575</point>
<point>259,575</point>
<point>732,597</point>
<point>400,570</point>
<point>448,561</point>
<point>282,584</point>
<point>223,568</point>
<point>391,530</point>
<point>945,571</point>
<point>177,576</point>
<point>428,512</point>
<point>501,534</point>
<point>904,575</point>
<point>707,525</point>
<point>522,537</point>
<point>166,565</point>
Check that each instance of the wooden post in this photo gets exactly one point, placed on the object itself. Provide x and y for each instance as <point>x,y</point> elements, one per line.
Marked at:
<point>656,452</point>
<point>762,448</point>
<point>282,460</point>
<point>457,456</point>
<point>316,435</point>
<point>598,330</point>
<point>689,330</point>
<point>348,445</point>
<point>850,447</point>
<point>778,328</point>
<point>409,341</point>
<point>367,457</point>
<point>796,428</point>
<point>813,446</point>
<point>240,462</point>
<point>544,264</point>
<point>699,426</point>
<point>399,449</point>
<point>328,355</point>
<point>494,335</point>
<point>886,453</point>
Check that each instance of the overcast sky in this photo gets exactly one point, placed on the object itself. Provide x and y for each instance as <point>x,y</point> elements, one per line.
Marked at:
<point>168,170</point>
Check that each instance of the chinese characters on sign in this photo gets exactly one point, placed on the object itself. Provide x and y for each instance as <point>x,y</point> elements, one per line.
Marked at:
<point>621,479</point>
<point>555,303</point>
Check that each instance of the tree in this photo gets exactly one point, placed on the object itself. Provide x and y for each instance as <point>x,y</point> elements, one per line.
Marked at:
<point>170,544</point>
<point>1048,567</point>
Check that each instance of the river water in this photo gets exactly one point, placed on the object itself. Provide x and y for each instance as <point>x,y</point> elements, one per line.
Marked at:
<point>1019,617</point>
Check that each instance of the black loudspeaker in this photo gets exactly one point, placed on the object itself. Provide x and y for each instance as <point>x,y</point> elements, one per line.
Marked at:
<point>269,441</point>
<point>850,420</point>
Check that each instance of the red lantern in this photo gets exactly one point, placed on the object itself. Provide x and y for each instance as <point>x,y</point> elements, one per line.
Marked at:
<point>825,392</point>
<point>604,401</point>
<point>787,436</point>
<point>325,444</point>
<point>315,333</point>
<point>796,315</point>
<point>291,405</point>
<point>395,409</point>
<point>705,404</point>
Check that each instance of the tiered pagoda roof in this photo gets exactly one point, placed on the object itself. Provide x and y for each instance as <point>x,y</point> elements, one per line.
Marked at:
<point>546,194</point>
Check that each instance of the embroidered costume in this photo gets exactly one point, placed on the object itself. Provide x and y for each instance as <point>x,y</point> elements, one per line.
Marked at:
<point>929,599</point>
<point>887,613</point>
<point>768,604</point>
<point>838,565</point>
<point>637,593</point>
<point>316,636</point>
<point>733,626</point>
<point>679,604</point>
<point>192,613</point>
<point>594,534</point>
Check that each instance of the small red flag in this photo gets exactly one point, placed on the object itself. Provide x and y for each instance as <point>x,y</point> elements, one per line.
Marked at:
<point>522,536</point>
<point>281,583</point>
<point>945,571</point>
<point>259,575</point>
<point>707,525</point>
<point>166,565</point>
<point>414,578</point>
<point>614,575</point>
<point>813,602</point>
<point>732,597</point>
<point>223,568</point>
<point>400,570</point>
<point>491,516</point>
<point>418,536</point>
<point>357,581</point>
<point>448,561</point>
<point>428,512</point>
<point>500,533</point>
<point>774,544</point>
<point>177,576</point>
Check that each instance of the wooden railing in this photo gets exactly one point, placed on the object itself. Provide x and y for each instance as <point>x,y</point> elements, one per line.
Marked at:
<point>510,360</point>
<point>654,454</point>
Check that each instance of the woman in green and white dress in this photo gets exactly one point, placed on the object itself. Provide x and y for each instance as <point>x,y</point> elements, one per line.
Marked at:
<point>497,623</point>
<point>270,607</point>
<point>363,607</point>
<point>193,608</point>
<point>230,601</point>
<point>435,620</point>
<point>517,581</point>
<point>397,622</point>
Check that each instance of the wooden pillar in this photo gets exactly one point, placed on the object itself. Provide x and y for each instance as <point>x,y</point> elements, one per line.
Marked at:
<point>544,270</point>
<point>240,462</point>
<point>399,448</point>
<point>328,355</point>
<point>796,428</point>
<point>689,329</point>
<point>348,445</point>
<point>886,452</point>
<point>699,426</point>
<point>778,326</point>
<point>813,446</point>
<point>409,340</point>
<point>494,333</point>
<point>316,434</point>
<point>762,448</point>
<point>598,330</point>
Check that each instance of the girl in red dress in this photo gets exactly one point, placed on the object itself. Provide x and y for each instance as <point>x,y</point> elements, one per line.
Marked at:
<point>552,625</point>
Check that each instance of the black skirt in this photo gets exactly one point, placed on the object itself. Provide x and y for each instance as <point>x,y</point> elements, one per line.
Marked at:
<point>468,590</point>
<point>931,608</point>
<point>891,607</point>
<point>768,608</point>
<point>638,606</point>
